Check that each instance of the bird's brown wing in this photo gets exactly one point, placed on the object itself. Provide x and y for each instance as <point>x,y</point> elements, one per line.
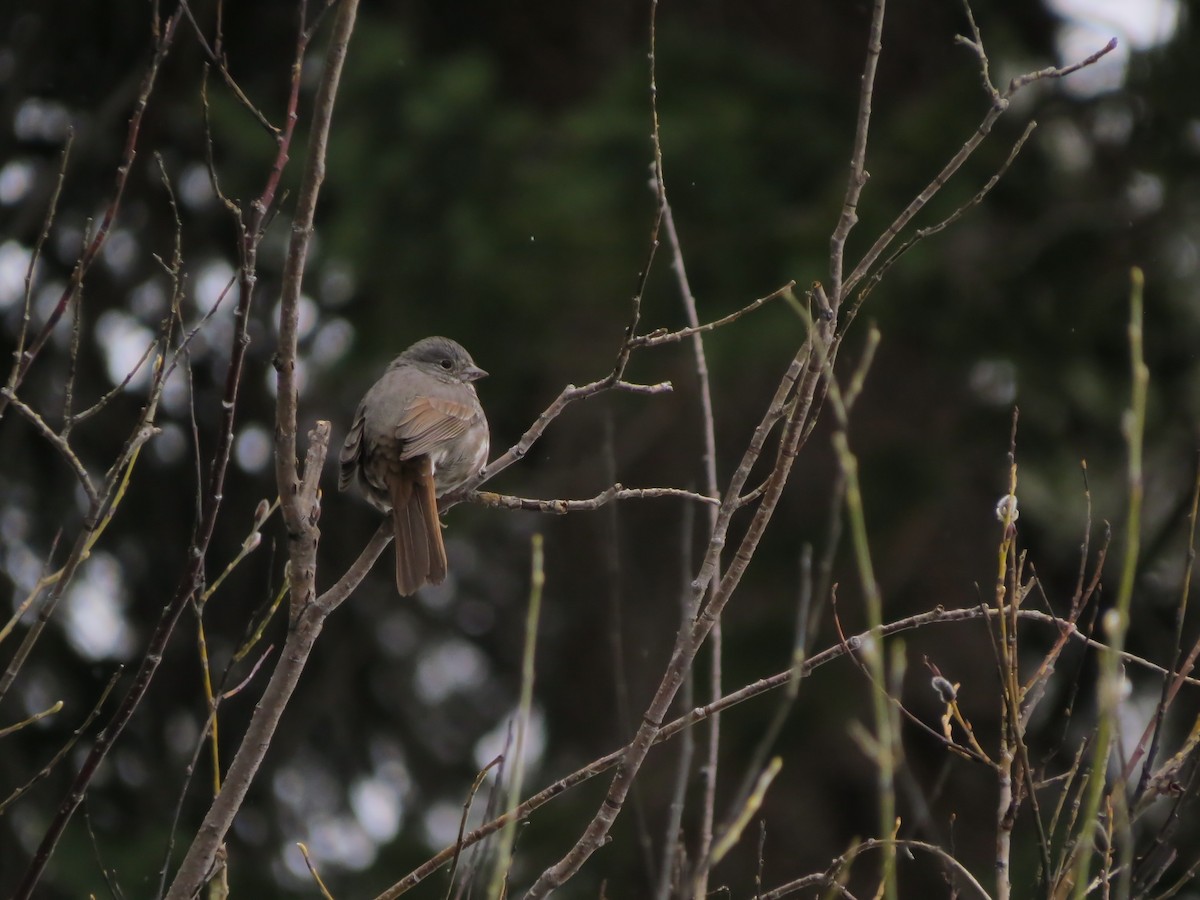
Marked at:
<point>431,422</point>
<point>351,456</point>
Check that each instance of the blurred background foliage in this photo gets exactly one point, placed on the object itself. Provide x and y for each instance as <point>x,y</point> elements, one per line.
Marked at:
<point>489,179</point>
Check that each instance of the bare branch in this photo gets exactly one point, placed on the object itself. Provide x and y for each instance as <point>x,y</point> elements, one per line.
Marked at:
<point>26,358</point>
<point>1171,686</point>
<point>690,639</point>
<point>566,397</point>
<point>36,255</point>
<point>227,76</point>
<point>999,105</point>
<point>935,616</point>
<point>299,496</point>
<point>824,880</point>
<point>858,171</point>
<point>211,500</point>
<point>708,458</point>
<point>562,507</point>
<point>1059,71</point>
<point>66,748</point>
<point>58,443</point>
<point>663,336</point>
<point>922,233</point>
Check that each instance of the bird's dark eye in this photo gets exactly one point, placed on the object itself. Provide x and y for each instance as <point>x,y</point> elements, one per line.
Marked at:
<point>446,364</point>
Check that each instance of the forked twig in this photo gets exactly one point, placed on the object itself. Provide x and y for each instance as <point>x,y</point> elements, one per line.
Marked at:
<point>852,643</point>
<point>163,40</point>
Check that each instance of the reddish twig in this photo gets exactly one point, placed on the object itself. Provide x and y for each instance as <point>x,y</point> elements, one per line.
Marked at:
<point>299,496</point>
<point>25,357</point>
<point>192,575</point>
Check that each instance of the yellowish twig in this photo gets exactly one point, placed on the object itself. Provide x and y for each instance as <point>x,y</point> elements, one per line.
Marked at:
<point>49,711</point>
<point>1116,621</point>
<point>726,842</point>
<point>497,887</point>
<point>313,869</point>
<point>261,627</point>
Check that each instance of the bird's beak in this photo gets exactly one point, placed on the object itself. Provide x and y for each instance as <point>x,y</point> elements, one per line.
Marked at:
<point>473,373</point>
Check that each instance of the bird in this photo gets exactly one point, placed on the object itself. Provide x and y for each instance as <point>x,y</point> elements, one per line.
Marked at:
<point>419,432</point>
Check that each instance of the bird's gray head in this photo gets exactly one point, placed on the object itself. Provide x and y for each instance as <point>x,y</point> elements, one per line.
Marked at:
<point>440,354</point>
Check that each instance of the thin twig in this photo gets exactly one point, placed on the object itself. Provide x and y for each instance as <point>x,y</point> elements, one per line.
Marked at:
<point>884,743</point>
<point>313,871</point>
<point>672,849</point>
<point>708,459</point>
<point>999,104</point>
<point>462,822</point>
<point>851,644</point>
<point>1170,686</point>
<point>66,748</point>
<point>691,639</point>
<point>498,887</point>
<point>36,256</point>
<point>517,451</point>
<point>623,706</point>
<point>824,879</point>
<point>95,523</point>
<point>1115,622</point>
<point>222,67</point>
<point>192,574</point>
<point>662,336</point>
<point>857,179</point>
<point>922,233</point>
<point>58,442</point>
<point>562,507</point>
<point>25,359</point>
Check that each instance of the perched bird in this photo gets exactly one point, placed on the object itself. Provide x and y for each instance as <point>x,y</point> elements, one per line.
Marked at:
<point>418,433</point>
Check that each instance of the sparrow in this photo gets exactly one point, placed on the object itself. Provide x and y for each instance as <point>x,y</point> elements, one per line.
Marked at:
<point>419,433</point>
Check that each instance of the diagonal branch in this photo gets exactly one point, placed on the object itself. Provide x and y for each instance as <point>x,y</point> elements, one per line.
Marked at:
<point>566,397</point>
<point>211,501</point>
<point>691,638</point>
<point>26,356</point>
<point>299,494</point>
<point>851,644</point>
<point>1000,103</point>
<point>58,442</point>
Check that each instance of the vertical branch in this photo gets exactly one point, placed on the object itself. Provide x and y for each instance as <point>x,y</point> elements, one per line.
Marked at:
<point>687,745</point>
<point>858,171</point>
<point>163,37</point>
<point>1007,592</point>
<point>690,639</point>
<point>712,489</point>
<point>1173,679</point>
<point>1115,622</point>
<point>884,744</point>
<point>300,500</point>
<point>297,255</point>
<point>36,255</point>
<point>497,888</point>
<point>711,486</point>
<point>616,633</point>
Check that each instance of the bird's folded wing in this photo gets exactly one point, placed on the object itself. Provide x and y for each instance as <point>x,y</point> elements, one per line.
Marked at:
<point>429,422</point>
<point>351,454</point>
